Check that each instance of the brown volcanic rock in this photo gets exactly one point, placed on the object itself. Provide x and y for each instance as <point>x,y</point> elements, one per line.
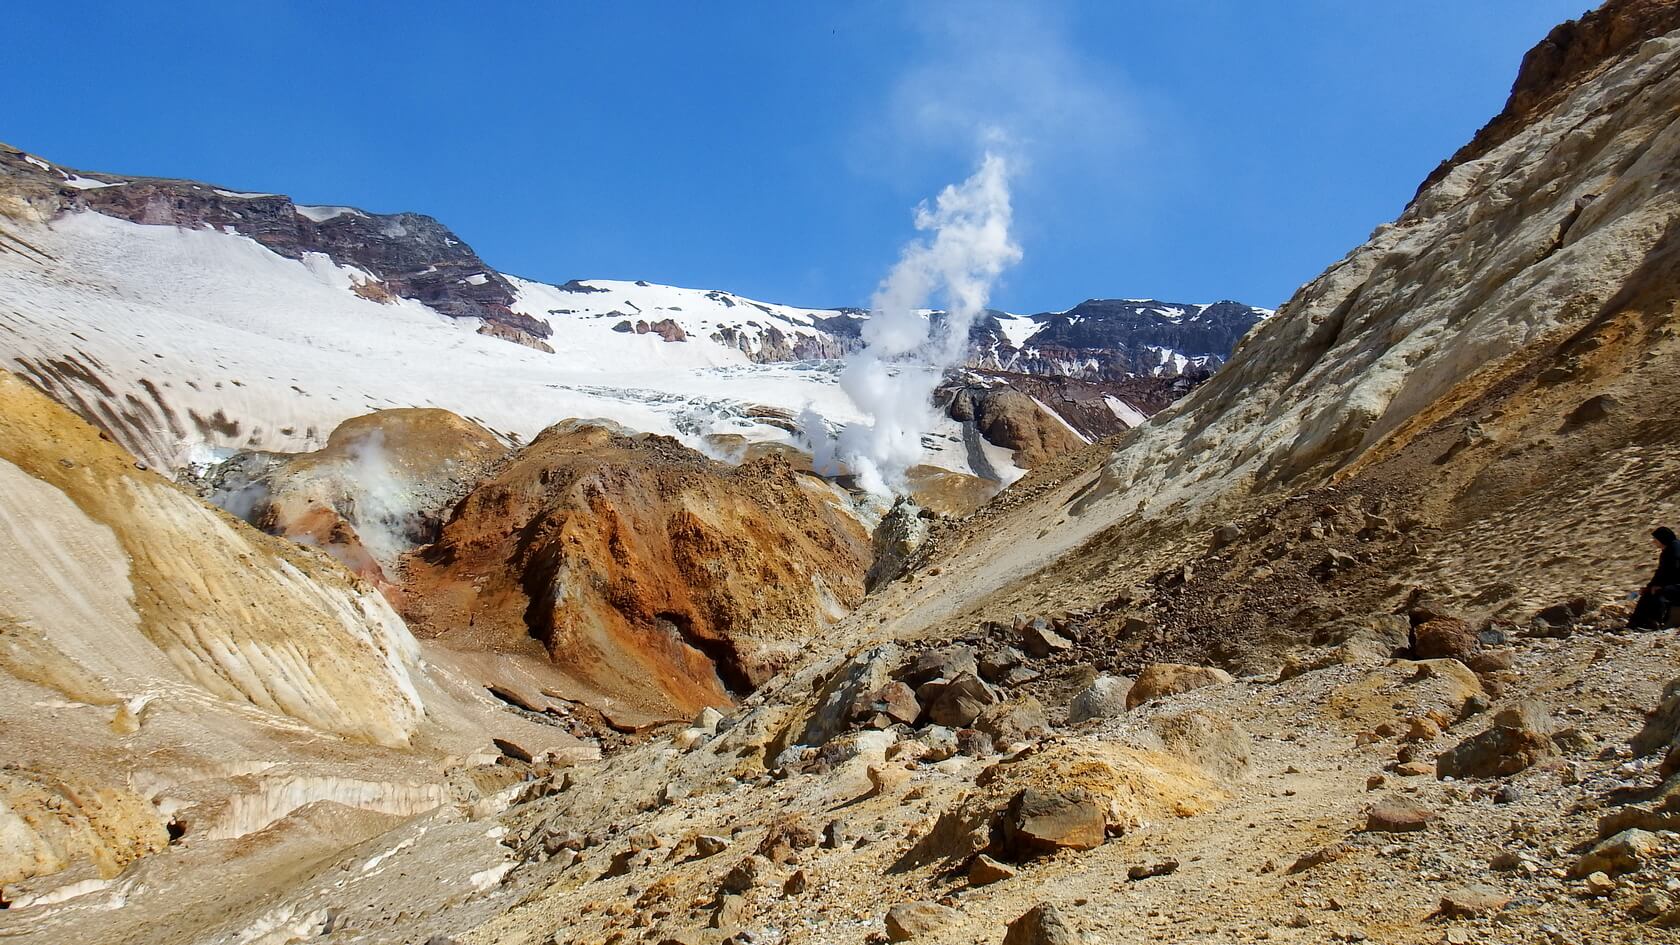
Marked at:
<point>1445,638</point>
<point>646,573</point>
<point>379,488</point>
<point>1012,420</point>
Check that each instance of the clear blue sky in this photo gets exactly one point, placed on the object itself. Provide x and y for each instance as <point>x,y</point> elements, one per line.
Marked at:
<point>1181,149</point>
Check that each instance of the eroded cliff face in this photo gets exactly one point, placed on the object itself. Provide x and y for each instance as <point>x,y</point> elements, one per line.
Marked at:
<point>654,580</point>
<point>1547,234</point>
<point>174,583</point>
<point>168,672</point>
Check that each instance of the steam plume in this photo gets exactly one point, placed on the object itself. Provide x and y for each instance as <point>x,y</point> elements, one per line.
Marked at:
<point>905,351</point>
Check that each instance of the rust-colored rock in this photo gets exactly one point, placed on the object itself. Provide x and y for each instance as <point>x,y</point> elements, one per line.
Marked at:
<point>644,572</point>
<point>1396,814</point>
<point>1445,638</point>
<point>1040,821</point>
<point>379,488</point>
<point>1520,736</point>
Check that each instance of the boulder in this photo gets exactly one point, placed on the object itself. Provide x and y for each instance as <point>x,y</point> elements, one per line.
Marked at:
<point>1445,638</point>
<point>1017,720</point>
<point>1041,821</point>
<point>710,845</point>
<point>886,778</point>
<point>908,920</point>
<point>1520,736</point>
<point>1041,925</point>
<point>1593,409</point>
<point>1662,725</point>
<point>745,875</point>
<point>1159,680</point>
<point>1224,535</point>
<point>869,745</point>
<point>944,663</point>
<point>940,741</point>
<point>896,540</point>
<point>996,664</point>
<point>975,743</point>
<point>1151,870</point>
<point>1421,608</point>
<point>1319,857</point>
<point>1564,614</point>
<point>1103,699</point>
<point>1491,661</point>
<point>1039,639</point>
<point>1626,852</point>
<point>708,719</point>
<point>961,702</point>
<point>690,738</point>
<point>896,701</point>
<point>1398,815</point>
<point>864,673</point>
<point>732,912</point>
<point>1472,902</point>
<point>785,838</point>
<point>1422,729</point>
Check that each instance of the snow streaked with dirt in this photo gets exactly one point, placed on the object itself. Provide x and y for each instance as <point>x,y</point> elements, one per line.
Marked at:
<point>172,324</point>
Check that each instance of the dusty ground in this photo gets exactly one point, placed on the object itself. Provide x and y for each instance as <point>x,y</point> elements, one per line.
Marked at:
<point>1234,829</point>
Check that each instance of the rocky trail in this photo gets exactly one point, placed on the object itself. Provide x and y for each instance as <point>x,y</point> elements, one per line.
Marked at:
<point>1287,802</point>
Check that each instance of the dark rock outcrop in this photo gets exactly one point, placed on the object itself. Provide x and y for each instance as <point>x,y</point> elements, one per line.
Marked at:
<point>411,255</point>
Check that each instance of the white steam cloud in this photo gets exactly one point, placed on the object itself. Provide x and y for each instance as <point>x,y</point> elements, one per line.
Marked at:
<point>383,508</point>
<point>891,380</point>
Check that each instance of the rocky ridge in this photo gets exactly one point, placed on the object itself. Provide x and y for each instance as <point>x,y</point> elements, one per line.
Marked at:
<point>409,255</point>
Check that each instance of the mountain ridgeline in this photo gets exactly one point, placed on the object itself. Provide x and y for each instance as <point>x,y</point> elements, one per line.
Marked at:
<point>413,256</point>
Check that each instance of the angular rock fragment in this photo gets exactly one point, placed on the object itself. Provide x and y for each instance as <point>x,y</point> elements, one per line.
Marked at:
<point>1040,821</point>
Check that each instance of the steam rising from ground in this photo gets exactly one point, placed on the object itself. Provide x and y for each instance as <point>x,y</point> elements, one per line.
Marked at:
<point>384,511</point>
<point>905,351</point>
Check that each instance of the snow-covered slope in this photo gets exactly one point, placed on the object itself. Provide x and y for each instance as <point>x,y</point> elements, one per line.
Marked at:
<point>174,340</point>
<point>187,320</point>
<point>716,327</point>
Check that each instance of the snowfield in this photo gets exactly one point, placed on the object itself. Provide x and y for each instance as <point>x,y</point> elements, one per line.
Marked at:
<point>192,343</point>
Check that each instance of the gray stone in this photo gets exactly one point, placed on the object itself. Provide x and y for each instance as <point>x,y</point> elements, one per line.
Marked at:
<point>1103,699</point>
<point>849,685</point>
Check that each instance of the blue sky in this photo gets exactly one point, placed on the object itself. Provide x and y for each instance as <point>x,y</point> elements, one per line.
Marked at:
<point>1186,150</point>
